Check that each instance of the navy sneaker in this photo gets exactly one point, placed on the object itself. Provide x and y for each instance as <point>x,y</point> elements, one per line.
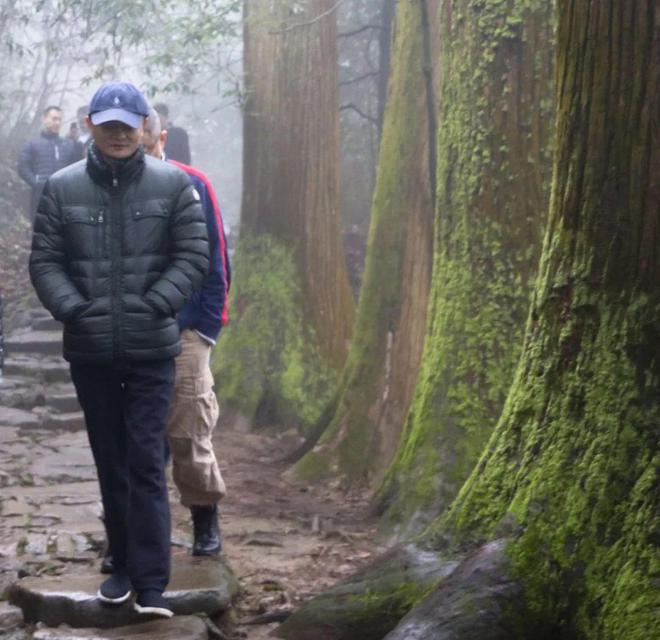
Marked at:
<point>116,589</point>
<point>151,602</point>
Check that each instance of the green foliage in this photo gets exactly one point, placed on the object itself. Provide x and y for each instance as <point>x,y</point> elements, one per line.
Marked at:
<point>267,364</point>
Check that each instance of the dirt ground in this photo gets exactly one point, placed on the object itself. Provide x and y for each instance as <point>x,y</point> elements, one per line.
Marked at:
<point>284,542</point>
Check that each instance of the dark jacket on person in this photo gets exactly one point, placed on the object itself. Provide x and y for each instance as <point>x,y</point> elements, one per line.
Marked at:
<point>177,146</point>
<point>207,310</point>
<point>116,251</point>
<point>40,158</point>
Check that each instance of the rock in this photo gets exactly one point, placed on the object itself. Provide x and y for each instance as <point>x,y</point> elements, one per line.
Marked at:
<point>64,402</point>
<point>178,628</point>
<point>478,601</point>
<point>73,421</point>
<point>36,545</point>
<point>370,603</point>
<point>10,616</point>
<point>19,418</point>
<point>198,585</point>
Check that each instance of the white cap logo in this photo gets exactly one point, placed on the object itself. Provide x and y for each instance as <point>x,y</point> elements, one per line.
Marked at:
<point>116,100</point>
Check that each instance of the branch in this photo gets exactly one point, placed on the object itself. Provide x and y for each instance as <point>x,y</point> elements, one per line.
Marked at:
<point>332,9</point>
<point>361,113</point>
<point>371,74</point>
<point>366,27</point>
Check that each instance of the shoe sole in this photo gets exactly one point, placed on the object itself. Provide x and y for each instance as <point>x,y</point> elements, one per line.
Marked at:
<point>107,600</point>
<point>154,611</point>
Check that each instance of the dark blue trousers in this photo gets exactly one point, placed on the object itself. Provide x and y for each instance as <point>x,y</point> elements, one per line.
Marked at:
<point>126,407</point>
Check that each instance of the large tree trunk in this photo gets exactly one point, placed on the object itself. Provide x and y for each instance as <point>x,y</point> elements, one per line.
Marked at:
<point>493,174</point>
<point>570,474</point>
<point>573,464</point>
<point>361,427</point>
<point>293,309</point>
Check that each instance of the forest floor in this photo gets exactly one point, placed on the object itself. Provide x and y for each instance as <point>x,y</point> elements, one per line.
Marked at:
<point>285,542</point>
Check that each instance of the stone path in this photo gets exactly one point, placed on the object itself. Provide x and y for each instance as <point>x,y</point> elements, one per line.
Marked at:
<point>285,542</point>
<point>51,534</point>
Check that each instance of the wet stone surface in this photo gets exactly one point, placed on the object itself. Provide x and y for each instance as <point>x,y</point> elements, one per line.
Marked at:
<point>198,585</point>
<point>180,628</point>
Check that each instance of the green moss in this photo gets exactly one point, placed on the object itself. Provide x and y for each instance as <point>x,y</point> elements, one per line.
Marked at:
<point>349,435</point>
<point>572,458</point>
<point>267,364</point>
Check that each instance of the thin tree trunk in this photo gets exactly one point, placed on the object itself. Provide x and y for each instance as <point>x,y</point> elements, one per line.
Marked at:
<point>362,425</point>
<point>293,306</point>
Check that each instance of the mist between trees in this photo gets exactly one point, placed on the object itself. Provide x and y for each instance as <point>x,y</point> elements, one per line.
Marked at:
<point>445,276</point>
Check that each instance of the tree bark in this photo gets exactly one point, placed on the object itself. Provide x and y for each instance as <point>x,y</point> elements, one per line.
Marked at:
<point>493,172</point>
<point>290,209</point>
<point>361,427</point>
<point>573,464</point>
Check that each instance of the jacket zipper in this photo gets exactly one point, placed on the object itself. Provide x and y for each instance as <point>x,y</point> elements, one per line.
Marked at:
<point>115,265</point>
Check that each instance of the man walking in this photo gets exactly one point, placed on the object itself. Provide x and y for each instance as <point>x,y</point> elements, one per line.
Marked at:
<point>119,244</point>
<point>194,411</point>
<point>44,155</point>
<point>177,146</point>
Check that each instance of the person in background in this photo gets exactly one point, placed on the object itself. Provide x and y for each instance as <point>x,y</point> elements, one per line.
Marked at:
<point>42,156</point>
<point>119,246</point>
<point>79,133</point>
<point>177,146</point>
<point>194,411</point>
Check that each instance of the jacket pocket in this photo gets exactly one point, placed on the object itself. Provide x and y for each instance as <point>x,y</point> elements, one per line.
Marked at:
<point>83,231</point>
<point>147,228</point>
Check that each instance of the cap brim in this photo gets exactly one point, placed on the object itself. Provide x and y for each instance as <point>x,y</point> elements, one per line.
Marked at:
<point>133,120</point>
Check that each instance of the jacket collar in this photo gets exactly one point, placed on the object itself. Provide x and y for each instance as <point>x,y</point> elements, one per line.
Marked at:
<point>108,173</point>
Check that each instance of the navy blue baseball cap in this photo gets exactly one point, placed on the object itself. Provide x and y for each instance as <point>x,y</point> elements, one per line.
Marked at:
<point>118,101</point>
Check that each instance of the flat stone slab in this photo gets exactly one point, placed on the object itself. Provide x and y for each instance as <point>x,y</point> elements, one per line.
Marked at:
<point>70,421</point>
<point>177,628</point>
<point>198,585</point>
<point>10,616</point>
<point>19,418</point>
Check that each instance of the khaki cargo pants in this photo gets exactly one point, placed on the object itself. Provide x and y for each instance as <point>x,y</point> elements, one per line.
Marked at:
<point>193,415</point>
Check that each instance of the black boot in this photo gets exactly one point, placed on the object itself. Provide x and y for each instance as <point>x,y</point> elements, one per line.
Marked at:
<point>206,530</point>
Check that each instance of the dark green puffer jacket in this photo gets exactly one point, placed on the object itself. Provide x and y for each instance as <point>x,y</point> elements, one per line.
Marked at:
<point>116,252</point>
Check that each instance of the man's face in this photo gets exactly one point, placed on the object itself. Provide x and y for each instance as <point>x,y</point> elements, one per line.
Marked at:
<point>115,139</point>
<point>52,121</point>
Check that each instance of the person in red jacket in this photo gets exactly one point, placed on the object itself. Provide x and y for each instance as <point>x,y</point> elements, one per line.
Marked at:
<point>194,410</point>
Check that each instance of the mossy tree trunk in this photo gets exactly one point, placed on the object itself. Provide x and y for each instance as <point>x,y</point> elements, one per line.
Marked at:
<point>573,464</point>
<point>293,310</point>
<point>493,173</point>
<point>362,425</point>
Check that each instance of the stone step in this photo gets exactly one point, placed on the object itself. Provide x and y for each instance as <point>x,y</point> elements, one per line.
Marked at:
<point>178,628</point>
<point>46,370</point>
<point>198,585</point>
<point>19,418</point>
<point>10,616</point>
<point>21,393</point>
<point>74,421</point>
<point>37,342</point>
<point>47,323</point>
<point>63,402</point>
